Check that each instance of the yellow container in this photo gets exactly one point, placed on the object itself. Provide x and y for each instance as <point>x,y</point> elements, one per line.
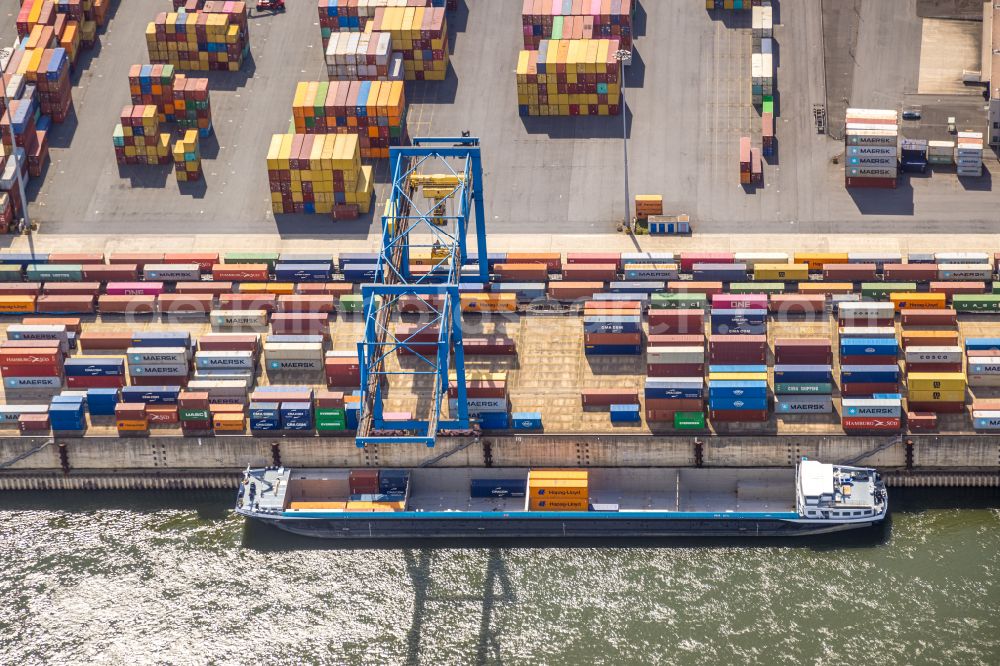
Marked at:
<point>228,422</point>
<point>936,396</point>
<point>738,376</point>
<point>17,304</point>
<point>324,506</point>
<point>815,260</point>
<point>917,301</point>
<point>782,272</point>
<point>537,474</point>
<point>566,504</point>
<point>488,302</point>
<point>935,381</point>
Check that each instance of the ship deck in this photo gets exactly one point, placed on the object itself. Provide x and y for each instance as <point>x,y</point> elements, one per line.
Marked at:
<point>630,489</point>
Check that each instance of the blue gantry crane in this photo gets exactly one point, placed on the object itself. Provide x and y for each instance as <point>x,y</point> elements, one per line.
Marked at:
<point>436,195</point>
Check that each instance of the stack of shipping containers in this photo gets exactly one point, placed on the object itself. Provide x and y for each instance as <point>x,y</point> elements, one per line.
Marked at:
<point>969,154</point>
<point>612,328</point>
<point>420,34</point>
<point>318,173</point>
<point>558,490</point>
<point>137,138</point>
<point>869,369</point>
<point>803,376</point>
<point>353,56</point>
<point>187,158</point>
<point>737,372</point>
<point>373,110</point>
<point>354,15</point>
<point>871,142</point>
<point>569,77</point>
<point>941,152</point>
<point>566,19</point>
<point>212,38</point>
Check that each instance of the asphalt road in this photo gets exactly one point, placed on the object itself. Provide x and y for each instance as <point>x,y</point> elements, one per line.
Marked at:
<point>688,104</point>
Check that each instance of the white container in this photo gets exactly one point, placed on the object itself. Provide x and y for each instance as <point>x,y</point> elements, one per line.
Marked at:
<point>238,318</point>
<point>961,258</point>
<point>868,331</point>
<point>690,354</point>
<point>751,259</point>
<point>933,354</point>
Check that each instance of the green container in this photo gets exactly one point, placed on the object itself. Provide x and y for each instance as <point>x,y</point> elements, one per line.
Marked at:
<point>996,287</point>
<point>54,273</point>
<point>880,290</point>
<point>768,106</point>
<point>681,301</point>
<point>352,303</point>
<point>976,302</point>
<point>10,273</point>
<point>269,258</point>
<point>331,419</point>
<point>757,288</point>
<point>689,420</point>
<point>803,389</point>
<point>194,414</point>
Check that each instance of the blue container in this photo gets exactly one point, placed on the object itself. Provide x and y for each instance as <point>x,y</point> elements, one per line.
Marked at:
<point>719,272</point>
<point>659,393</point>
<point>480,488</point>
<point>22,259</point>
<point>297,424</point>
<point>735,389</point>
<point>303,272</point>
<point>613,350</point>
<point>357,273</point>
<point>264,424</point>
<point>737,368</point>
<point>97,367</point>
<point>351,411</point>
<point>296,409</point>
<point>263,410</point>
<point>494,420</point>
<point>526,421</point>
<point>151,395</point>
<point>750,404</point>
<point>887,396</point>
<point>808,374</point>
<point>393,481</point>
<point>161,339</point>
<point>102,401</point>
<point>612,326</point>
<point>982,344</point>
<point>625,414</point>
<point>492,258</point>
<point>868,346</point>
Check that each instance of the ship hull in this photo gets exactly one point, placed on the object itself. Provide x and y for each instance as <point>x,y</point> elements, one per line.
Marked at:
<point>541,528</point>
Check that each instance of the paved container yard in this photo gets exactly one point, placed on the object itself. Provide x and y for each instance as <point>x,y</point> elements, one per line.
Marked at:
<point>688,102</point>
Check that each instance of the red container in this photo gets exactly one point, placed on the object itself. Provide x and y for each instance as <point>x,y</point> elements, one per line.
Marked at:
<point>797,304</point>
<point>849,272</point>
<point>911,338</point>
<point>612,338</point>
<point>229,342</point>
<point>140,259</point>
<point>130,410</point>
<point>591,272</point>
<point>855,389</point>
<point>676,322</point>
<point>740,349</point>
<point>20,288</point>
<point>33,423</point>
<point>342,372</point>
<point>868,360</point>
<point>300,323</point>
<point>31,344</point>
<point>203,287</point>
<point>871,423</point>
<point>910,272</point>
<point>158,380</point>
<point>739,415</point>
<point>67,303</point>
<point>306,303</point>
<point>661,416</point>
<point>205,260</point>
<point>921,421</point>
<point>521,272</point>
<point>937,407</point>
<point>50,369</point>
<point>411,303</point>
<point>111,273</point>
<point>72,288</point>
<point>675,369</point>
<point>162,414</point>
<point>363,481</point>
<point>573,291</point>
<point>30,356</point>
<point>952,288</point>
<point>865,321</point>
<point>871,183</point>
<point>185,304</point>
<point>105,381</point>
<point>944,318</point>
<point>127,305</point>
<point>599,397</point>
<point>330,399</point>
<point>91,341</point>
<point>240,272</point>
<point>689,259</point>
<point>496,345</point>
<point>934,367</point>
<point>477,388</point>
<point>691,286</point>
<point>803,351</point>
<point>76,257</point>
<point>200,425</point>
<point>612,305</point>
<point>593,258</point>
<point>336,289</point>
<point>71,323</point>
<point>679,405</point>
<point>193,400</point>
<point>248,302</point>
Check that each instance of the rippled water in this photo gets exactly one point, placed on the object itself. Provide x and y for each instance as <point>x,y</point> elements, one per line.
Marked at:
<point>166,578</point>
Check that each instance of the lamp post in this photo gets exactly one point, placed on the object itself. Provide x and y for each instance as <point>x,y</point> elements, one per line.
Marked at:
<point>5,55</point>
<point>621,55</point>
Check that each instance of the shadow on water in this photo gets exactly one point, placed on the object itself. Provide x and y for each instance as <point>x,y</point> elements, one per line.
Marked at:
<point>210,505</point>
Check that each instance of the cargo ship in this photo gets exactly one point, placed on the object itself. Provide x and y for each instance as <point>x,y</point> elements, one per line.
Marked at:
<point>812,498</point>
